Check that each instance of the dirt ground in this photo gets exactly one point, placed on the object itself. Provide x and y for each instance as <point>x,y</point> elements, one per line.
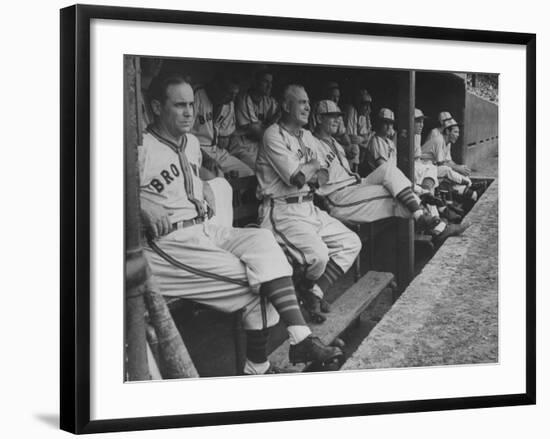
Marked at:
<point>449,313</point>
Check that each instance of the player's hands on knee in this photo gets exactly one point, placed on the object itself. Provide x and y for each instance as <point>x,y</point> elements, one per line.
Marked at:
<point>155,219</point>
<point>210,199</point>
<point>352,151</point>
<point>464,170</point>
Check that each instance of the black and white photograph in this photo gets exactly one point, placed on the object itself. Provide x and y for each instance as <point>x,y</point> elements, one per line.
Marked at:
<point>292,219</point>
<point>296,218</point>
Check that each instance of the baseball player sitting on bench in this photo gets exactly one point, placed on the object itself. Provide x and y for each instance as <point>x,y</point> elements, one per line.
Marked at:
<point>214,112</point>
<point>223,267</point>
<point>384,193</point>
<point>331,91</point>
<point>287,168</point>
<point>358,124</point>
<point>438,151</point>
<point>438,131</point>
<point>255,110</point>
<point>425,172</point>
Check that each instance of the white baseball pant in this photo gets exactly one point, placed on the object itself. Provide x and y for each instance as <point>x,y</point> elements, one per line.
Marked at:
<point>310,236</point>
<point>250,255</point>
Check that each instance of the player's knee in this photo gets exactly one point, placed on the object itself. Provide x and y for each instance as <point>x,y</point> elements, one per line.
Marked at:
<point>318,261</point>
<point>353,243</point>
<point>255,318</point>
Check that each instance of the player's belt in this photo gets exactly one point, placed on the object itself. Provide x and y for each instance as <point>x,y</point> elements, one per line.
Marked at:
<point>187,223</point>
<point>299,199</point>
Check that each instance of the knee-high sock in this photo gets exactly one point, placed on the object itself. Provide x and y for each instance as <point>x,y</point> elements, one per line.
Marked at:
<point>332,274</point>
<point>406,196</point>
<point>256,346</point>
<point>280,292</point>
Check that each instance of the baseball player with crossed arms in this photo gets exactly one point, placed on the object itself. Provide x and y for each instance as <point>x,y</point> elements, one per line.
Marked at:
<point>255,110</point>
<point>224,267</point>
<point>384,193</point>
<point>287,168</point>
<point>358,125</point>
<point>214,112</point>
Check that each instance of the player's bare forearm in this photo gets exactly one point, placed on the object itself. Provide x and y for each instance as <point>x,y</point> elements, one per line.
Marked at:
<point>209,197</point>
<point>310,169</point>
<point>461,169</point>
<point>155,219</point>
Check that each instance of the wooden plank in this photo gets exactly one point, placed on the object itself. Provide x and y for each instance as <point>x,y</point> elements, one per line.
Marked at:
<point>345,310</point>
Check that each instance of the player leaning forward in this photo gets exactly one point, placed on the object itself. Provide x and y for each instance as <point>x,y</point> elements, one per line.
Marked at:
<point>224,267</point>
<point>287,168</point>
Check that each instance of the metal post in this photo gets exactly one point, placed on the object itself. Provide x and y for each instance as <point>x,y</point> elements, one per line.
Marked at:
<point>136,267</point>
<point>405,162</point>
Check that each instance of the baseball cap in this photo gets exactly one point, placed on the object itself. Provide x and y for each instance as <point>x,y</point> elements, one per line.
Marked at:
<point>443,116</point>
<point>327,106</point>
<point>418,114</point>
<point>447,123</point>
<point>386,114</point>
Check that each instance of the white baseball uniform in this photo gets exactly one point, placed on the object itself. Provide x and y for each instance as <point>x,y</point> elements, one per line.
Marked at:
<point>309,235</point>
<point>247,111</point>
<point>423,168</point>
<point>434,133</point>
<point>206,131</point>
<point>357,200</point>
<point>340,131</point>
<point>381,148</point>
<point>358,125</point>
<point>169,178</point>
<point>439,152</point>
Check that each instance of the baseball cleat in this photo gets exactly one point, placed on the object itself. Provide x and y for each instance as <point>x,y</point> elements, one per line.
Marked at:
<point>324,306</point>
<point>312,307</point>
<point>451,230</point>
<point>479,186</point>
<point>339,343</point>
<point>313,349</point>
<point>431,199</point>
<point>426,222</point>
<point>451,216</point>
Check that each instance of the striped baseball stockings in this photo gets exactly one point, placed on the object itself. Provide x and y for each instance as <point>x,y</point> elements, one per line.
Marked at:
<point>406,196</point>
<point>280,292</point>
<point>332,274</point>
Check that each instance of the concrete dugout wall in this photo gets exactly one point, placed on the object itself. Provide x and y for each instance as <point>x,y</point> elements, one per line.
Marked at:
<point>481,130</point>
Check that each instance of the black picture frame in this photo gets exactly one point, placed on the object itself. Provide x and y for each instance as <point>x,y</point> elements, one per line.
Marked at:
<point>75,217</point>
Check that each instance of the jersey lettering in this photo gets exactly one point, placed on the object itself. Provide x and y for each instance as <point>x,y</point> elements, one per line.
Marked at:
<point>206,117</point>
<point>330,158</point>
<point>175,170</point>
<point>167,177</point>
<point>157,185</point>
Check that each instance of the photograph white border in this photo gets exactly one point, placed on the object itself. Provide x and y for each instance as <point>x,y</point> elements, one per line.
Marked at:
<point>112,398</point>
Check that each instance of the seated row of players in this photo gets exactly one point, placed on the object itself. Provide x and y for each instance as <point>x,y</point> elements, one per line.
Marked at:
<point>229,268</point>
<point>293,163</point>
